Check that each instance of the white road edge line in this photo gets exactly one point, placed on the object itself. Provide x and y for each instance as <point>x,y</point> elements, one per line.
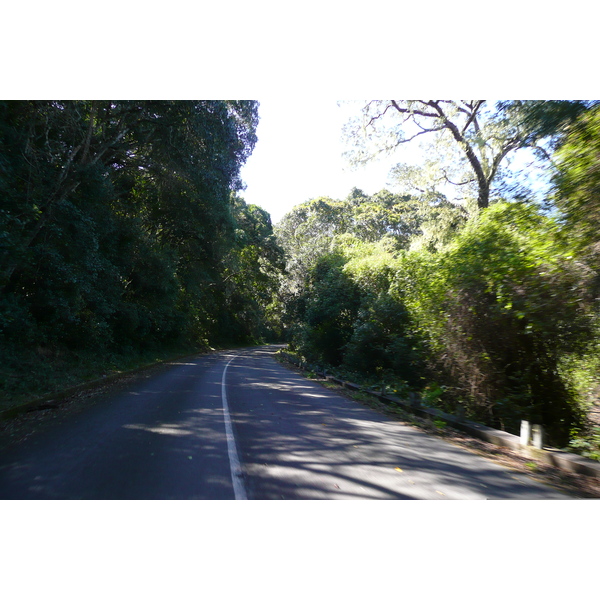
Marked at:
<point>234,461</point>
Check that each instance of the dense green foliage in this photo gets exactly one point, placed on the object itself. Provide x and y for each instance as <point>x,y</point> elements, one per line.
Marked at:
<point>498,310</point>
<point>578,180</point>
<point>492,312</point>
<point>121,234</point>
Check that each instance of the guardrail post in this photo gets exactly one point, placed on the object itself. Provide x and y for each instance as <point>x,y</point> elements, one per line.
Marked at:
<point>525,433</point>
<point>538,436</point>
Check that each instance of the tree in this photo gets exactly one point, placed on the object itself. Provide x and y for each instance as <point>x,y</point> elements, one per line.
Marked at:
<point>500,309</point>
<point>305,233</point>
<point>329,308</point>
<point>578,179</point>
<point>544,121</point>
<point>309,230</point>
<point>48,147</point>
<point>185,156</point>
<point>251,274</point>
<point>115,224</point>
<point>477,139</point>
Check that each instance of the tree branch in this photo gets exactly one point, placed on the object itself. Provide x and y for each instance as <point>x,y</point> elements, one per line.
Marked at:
<point>511,145</point>
<point>482,180</point>
<point>412,137</point>
<point>378,116</point>
<point>411,111</point>
<point>473,117</point>
<point>461,183</point>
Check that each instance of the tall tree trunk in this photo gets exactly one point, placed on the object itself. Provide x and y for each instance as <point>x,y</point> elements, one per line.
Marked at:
<point>483,197</point>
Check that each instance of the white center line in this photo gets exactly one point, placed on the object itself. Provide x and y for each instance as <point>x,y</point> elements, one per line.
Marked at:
<point>234,461</point>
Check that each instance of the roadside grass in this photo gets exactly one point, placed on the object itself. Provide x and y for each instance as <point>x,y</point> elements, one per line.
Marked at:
<point>31,376</point>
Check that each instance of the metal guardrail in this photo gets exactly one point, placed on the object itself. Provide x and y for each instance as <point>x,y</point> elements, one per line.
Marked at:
<point>566,461</point>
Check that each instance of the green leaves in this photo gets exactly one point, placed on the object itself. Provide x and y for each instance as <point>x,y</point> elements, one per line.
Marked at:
<point>578,180</point>
<point>252,271</point>
<point>116,224</point>
<point>497,309</point>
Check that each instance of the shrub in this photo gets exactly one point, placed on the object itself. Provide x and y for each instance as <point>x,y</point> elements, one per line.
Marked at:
<point>497,309</point>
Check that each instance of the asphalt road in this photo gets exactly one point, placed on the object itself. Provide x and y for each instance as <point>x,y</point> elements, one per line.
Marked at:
<point>238,425</point>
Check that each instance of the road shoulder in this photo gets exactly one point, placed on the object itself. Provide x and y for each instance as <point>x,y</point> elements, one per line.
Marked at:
<point>578,486</point>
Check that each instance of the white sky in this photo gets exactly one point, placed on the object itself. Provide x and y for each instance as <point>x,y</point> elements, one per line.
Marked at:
<point>298,156</point>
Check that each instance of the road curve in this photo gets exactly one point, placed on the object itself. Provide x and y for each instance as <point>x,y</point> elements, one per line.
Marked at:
<point>238,425</point>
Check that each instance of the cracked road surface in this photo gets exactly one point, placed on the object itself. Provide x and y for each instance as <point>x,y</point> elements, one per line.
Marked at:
<point>166,436</point>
